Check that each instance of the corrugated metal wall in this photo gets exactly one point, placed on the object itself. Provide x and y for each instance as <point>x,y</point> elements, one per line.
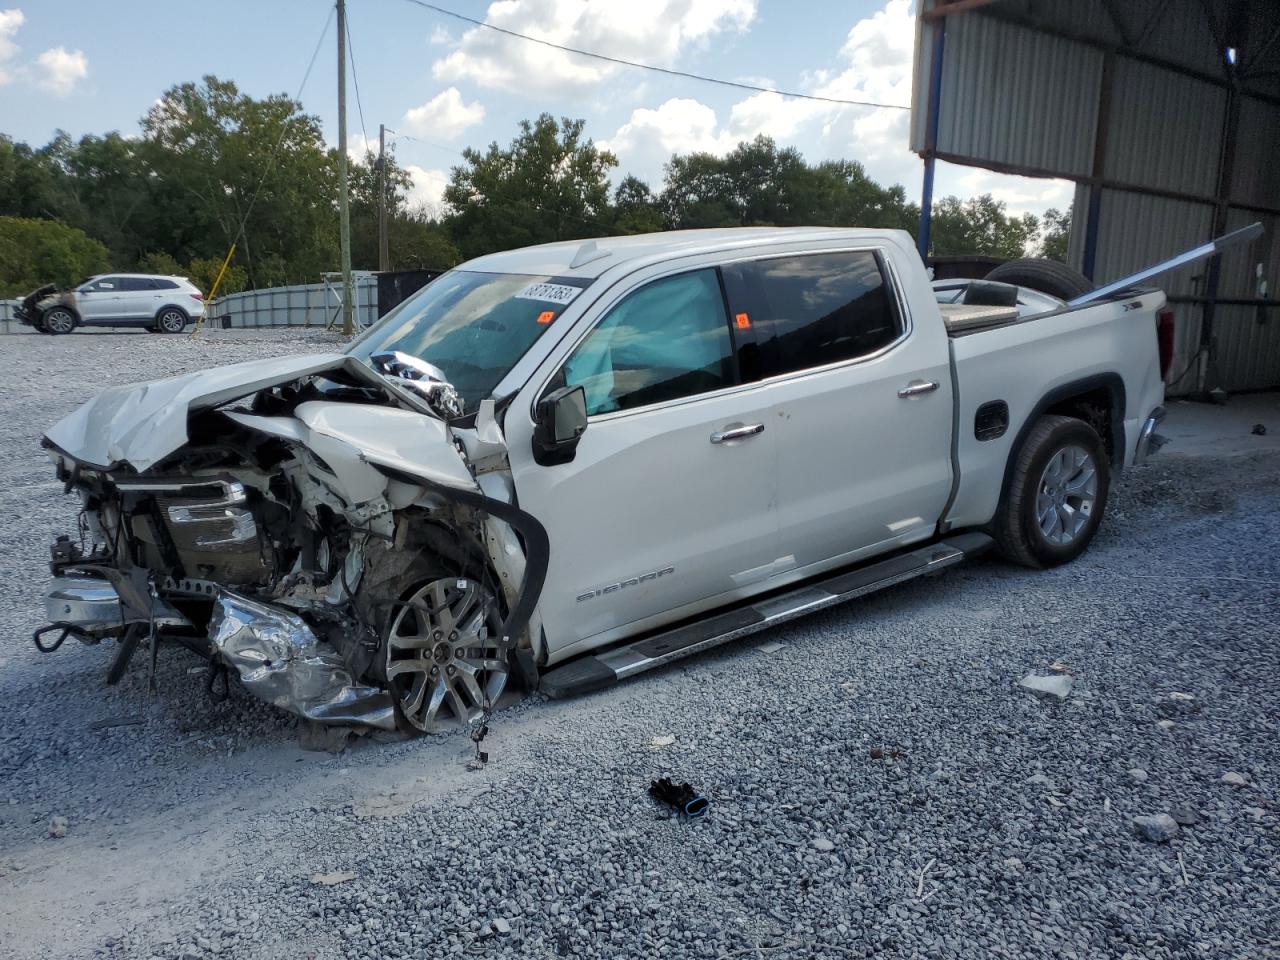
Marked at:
<point>300,305</point>
<point>1023,92</point>
<point>1036,126</point>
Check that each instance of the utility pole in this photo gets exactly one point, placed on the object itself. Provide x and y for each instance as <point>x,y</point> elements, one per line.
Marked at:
<point>384,252</point>
<point>344,209</point>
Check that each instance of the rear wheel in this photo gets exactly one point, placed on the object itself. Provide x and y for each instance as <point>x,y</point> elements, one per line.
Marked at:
<point>59,320</point>
<point>443,652</point>
<point>1047,276</point>
<point>1057,494</point>
<point>170,320</point>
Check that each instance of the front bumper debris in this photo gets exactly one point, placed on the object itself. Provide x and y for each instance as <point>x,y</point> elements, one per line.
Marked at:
<point>1149,441</point>
<point>281,661</point>
<point>85,604</point>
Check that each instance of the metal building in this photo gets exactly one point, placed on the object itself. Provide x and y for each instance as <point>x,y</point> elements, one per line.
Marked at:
<point>1166,115</point>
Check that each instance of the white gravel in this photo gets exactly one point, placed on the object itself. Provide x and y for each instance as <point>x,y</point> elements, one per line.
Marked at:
<point>881,785</point>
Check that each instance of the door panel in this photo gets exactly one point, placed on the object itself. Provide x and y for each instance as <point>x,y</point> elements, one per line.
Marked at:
<point>651,515</point>
<point>860,468</point>
<point>99,301</point>
<point>138,298</point>
<point>670,502</point>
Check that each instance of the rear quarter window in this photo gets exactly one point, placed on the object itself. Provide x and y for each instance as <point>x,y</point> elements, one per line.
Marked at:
<point>814,309</point>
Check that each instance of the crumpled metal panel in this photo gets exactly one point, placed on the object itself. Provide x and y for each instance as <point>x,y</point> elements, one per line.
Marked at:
<point>281,661</point>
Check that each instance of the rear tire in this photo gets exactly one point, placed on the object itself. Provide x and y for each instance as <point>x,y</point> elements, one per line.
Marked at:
<point>1047,276</point>
<point>170,320</point>
<point>1057,494</point>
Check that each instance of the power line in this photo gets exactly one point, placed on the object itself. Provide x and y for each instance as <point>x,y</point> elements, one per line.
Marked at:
<point>355,77</point>
<point>284,127</point>
<point>646,66</point>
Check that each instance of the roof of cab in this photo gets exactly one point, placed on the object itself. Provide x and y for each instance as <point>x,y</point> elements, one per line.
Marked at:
<point>556,259</point>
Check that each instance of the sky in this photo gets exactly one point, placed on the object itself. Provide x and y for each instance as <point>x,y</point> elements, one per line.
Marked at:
<point>87,66</point>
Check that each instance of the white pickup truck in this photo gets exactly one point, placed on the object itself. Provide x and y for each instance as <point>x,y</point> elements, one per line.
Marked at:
<point>577,461</point>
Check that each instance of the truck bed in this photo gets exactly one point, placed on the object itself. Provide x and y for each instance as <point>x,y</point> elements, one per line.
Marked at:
<point>999,357</point>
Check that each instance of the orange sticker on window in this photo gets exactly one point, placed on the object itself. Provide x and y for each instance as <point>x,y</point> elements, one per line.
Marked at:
<point>743,321</point>
<point>546,316</point>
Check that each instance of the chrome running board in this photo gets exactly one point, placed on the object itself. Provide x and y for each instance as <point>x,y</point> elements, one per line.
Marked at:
<point>596,671</point>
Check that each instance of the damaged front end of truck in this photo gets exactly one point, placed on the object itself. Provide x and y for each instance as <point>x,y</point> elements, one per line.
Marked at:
<point>329,531</point>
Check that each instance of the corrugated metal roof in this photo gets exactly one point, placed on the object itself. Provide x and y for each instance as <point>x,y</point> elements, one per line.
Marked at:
<point>1036,97</point>
<point>1164,129</point>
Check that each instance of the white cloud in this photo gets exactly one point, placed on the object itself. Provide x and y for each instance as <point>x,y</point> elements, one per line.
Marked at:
<point>874,65</point>
<point>655,32</point>
<point>679,125</point>
<point>61,70</point>
<point>10,21</point>
<point>427,191</point>
<point>358,146</point>
<point>444,116</point>
<point>1020,194</point>
<point>440,37</point>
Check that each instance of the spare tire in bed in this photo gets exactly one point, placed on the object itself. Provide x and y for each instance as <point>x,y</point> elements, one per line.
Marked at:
<point>1047,276</point>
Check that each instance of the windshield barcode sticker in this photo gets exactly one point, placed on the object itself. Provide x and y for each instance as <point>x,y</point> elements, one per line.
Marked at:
<point>553,292</point>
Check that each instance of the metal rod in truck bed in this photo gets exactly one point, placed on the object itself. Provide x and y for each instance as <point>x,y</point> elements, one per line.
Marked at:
<point>1181,260</point>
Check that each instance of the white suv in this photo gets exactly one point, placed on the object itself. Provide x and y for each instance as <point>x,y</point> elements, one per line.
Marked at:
<point>162,304</point>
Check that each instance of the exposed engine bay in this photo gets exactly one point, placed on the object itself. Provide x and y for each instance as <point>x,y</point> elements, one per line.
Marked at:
<point>336,537</point>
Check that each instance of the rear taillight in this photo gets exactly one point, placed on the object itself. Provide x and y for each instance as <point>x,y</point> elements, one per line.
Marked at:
<point>197,296</point>
<point>1164,338</point>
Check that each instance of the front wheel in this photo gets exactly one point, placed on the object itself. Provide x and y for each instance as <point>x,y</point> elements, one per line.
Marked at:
<point>59,320</point>
<point>443,652</point>
<point>1057,494</point>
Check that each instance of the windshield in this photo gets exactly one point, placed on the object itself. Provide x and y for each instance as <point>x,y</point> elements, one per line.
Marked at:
<point>474,326</point>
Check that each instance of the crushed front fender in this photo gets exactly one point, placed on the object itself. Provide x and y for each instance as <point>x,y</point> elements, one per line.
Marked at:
<point>281,661</point>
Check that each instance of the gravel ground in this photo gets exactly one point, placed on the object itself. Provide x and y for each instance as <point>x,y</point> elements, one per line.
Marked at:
<point>880,784</point>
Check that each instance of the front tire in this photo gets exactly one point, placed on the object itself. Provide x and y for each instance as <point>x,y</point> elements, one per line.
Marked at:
<point>58,321</point>
<point>443,655</point>
<point>1057,494</point>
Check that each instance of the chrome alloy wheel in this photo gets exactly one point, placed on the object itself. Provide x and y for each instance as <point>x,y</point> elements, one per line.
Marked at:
<point>444,648</point>
<point>172,321</point>
<point>1066,495</point>
<point>59,320</point>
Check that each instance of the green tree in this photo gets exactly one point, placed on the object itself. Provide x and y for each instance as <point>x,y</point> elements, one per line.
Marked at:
<point>414,239</point>
<point>35,252</point>
<point>549,184</point>
<point>758,184</point>
<point>980,225</point>
<point>1056,225</point>
<point>203,271</point>
<point>635,210</point>
<point>207,148</point>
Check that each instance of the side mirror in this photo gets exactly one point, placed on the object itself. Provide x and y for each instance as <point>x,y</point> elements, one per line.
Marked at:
<point>561,419</point>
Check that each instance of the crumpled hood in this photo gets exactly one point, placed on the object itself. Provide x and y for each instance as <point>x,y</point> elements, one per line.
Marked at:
<point>142,423</point>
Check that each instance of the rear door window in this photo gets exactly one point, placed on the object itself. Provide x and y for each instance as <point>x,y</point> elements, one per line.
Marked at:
<point>135,284</point>
<point>814,309</point>
<point>665,341</point>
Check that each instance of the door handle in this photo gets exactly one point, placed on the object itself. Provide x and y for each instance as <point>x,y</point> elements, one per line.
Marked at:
<point>737,433</point>
<point>916,387</point>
